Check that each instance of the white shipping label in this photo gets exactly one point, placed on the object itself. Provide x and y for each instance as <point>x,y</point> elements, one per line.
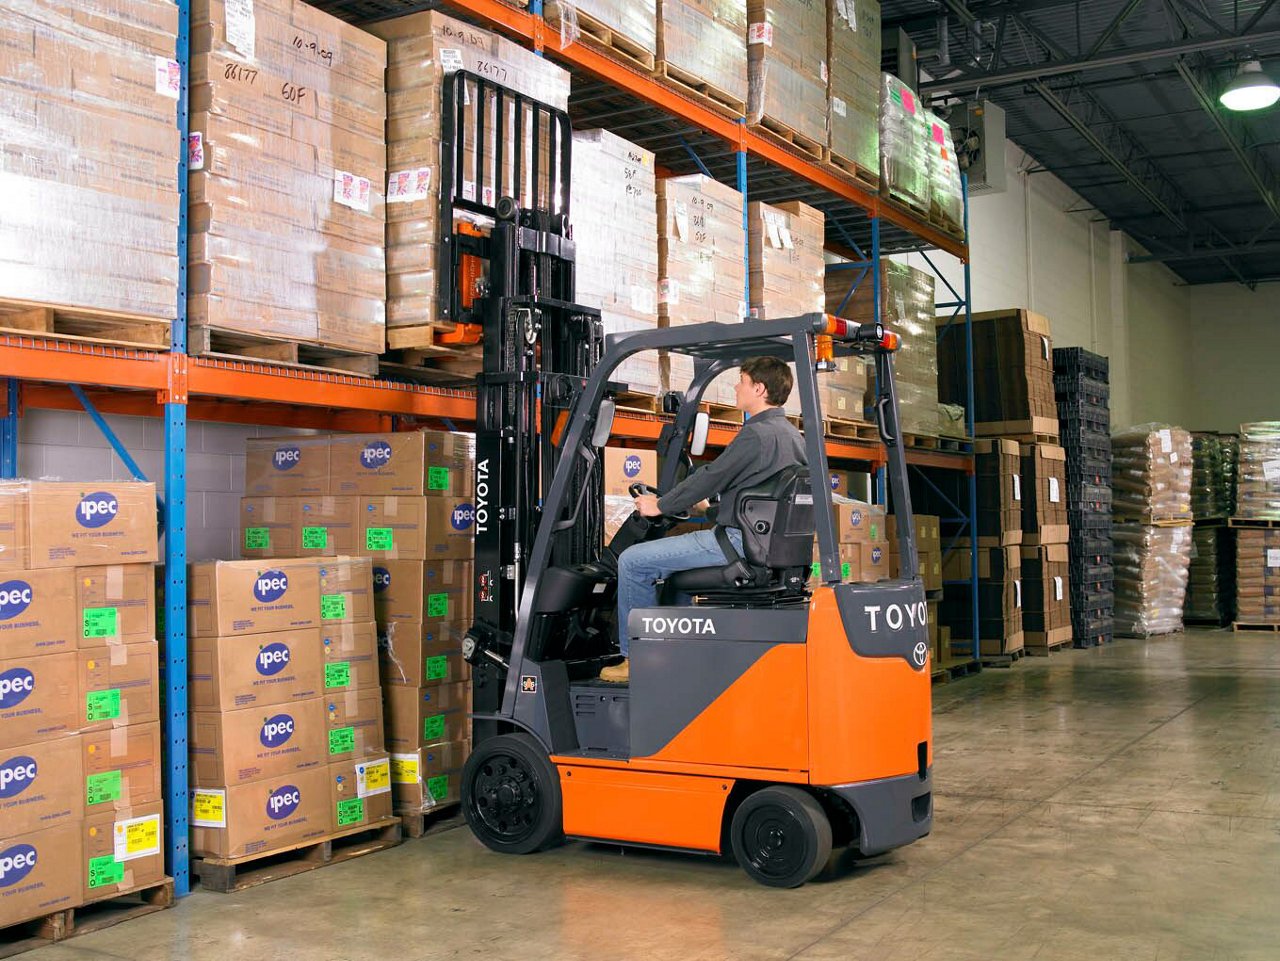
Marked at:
<point>1271,470</point>
<point>822,70</point>
<point>760,33</point>
<point>642,299</point>
<point>1173,457</point>
<point>373,777</point>
<point>775,235</point>
<point>1044,346</point>
<point>468,190</point>
<point>240,27</point>
<point>1057,588</point>
<point>136,838</point>
<point>168,78</point>
<point>840,108</point>
<point>1017,593</point>
<point>450,59</point>
<point>1166,441</point>
<point>1054,494</point>
<point>1273,556</point>
<point>682,221</point>
<point>1017,487</point>
<point>351,191</point>
<point>669,292</point>
<point>195,151</point>
<point>406,186</point>
<point>787,242</point>
<point>847,11</point>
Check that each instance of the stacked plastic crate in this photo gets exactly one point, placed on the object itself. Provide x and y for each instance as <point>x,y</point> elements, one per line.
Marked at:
<point>1082,389</point>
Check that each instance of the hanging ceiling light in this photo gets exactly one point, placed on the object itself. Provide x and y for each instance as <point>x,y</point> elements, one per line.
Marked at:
<point>1251,89</point>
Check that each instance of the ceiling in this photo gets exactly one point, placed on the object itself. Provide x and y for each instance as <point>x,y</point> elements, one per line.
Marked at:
<point>1118,98</point>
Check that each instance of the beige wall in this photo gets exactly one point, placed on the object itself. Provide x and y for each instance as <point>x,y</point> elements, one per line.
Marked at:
<point>1235,355</point>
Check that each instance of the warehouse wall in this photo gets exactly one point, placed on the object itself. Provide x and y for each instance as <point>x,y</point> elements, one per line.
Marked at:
<point>1234,346</point>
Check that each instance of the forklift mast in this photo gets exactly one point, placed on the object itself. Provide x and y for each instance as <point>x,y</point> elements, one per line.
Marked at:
<point>506,277</point>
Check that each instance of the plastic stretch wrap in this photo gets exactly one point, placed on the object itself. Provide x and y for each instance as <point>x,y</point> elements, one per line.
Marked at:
<point>88,154</point>
<point>1257,575</point>
<point>904,160</point>
<point>1211,584</point>
<point>1258,471</point>
<point>1230,470</point>
<point>614,204</point>
<point>1151,572</point>
<point>787,65</point>
<point>636,21</point>
<point>1151,473</point>
<point>706,39</point>
<point>946,198</point>
<point>1210,496</point>
<point>853,87</point>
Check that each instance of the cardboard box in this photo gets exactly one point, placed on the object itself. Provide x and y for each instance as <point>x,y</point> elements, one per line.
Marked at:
<point>355,723</point>
<point>269,526</point>
<point>119,685</point>
<point>89,524</point>
<point>35,617</point>
<point>42,873</point>
<point>39,698</point>
<point>261,816</point>
<point>360,791</point>
<point>122,849</point>
<point>1044,494</point>
<point>350,654</point>
<point>14,546</point>
<point>623,467</point>
<point>116,604</point>
<point>423,779</point>
<point>121,767</point>
<point>1046,583</point>
<point>232,673</point>
<point>420,717</point>
<point>858,523</point>
<point>228,598</point>
<point>346,590</point>
<point>234,747</point>
<point>287,466</point>
<point>416,528</point>
<point>423,591</point>
<point>40,785</point>
<point>994,563</point>
<point>417,654</point>
<point>326,526</point>
<point>415,463</point>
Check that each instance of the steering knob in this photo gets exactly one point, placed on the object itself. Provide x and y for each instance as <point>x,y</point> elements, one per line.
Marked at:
<point>640,489</point>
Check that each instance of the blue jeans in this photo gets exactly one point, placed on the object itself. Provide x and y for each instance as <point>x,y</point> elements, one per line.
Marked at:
<point>641,566</point>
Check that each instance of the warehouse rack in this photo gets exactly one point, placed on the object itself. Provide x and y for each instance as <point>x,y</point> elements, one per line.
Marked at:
<point>686,136</point>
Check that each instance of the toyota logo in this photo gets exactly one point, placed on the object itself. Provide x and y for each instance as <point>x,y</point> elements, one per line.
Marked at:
<point>920,654</point>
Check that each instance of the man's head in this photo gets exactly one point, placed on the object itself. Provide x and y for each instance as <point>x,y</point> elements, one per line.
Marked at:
<point>763,382</point>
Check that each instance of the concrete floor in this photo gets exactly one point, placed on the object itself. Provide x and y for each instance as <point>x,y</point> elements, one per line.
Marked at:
<point>1105,805</point>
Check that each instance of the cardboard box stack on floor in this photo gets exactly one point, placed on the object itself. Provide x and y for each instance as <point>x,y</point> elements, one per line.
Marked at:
<point>787,67</point>
<point>100,232</point>
<point>853,86</point>
<point>1047,600</point>
<point>862,539</point>
<point>704,42</point>
<point>81,814</point>
<point>929,559</point>
<point>287,160</point>
<point>1257,501</point>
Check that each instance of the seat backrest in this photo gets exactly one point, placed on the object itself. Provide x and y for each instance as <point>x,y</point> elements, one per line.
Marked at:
<point>776,519</point>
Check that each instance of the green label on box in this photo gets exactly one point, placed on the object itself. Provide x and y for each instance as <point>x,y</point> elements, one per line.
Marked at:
<point>845,570</point>
<point>101,622</point>
<point>437,605</point>
<point>437,668</point>
<point>105,870</point>
<point>433,728</point>
<point>378,539</point>
<point>102,705</point>
<point>873,533</point>
<point>438,786</point>
<point>257,539</point>
<point>337,674</point>
<point>342,740</point>
<point>350,811</point>
<point>333,607</point>
<point>437,478</point>
<point>315,538</point>
<point>100,788</point>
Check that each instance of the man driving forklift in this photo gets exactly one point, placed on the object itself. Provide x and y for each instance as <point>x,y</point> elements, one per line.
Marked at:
<point>767,443</point>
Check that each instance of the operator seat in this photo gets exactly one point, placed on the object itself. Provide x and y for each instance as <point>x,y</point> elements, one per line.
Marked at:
<point>776,520</point>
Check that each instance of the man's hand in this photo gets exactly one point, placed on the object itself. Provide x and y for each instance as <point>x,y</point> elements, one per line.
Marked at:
<point>647,505</point>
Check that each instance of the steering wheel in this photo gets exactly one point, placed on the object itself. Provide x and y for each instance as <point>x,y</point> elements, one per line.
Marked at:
<point>638,489</point>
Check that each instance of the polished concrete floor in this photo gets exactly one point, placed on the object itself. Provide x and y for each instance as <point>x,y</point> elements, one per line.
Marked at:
<point>1120,803</point>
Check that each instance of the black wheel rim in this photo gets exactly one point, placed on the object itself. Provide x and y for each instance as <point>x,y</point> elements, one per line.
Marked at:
<point>504,798</point>
<point>775,843</point>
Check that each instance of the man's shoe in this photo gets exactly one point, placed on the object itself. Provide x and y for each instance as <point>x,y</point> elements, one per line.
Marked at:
<point>617,673</point>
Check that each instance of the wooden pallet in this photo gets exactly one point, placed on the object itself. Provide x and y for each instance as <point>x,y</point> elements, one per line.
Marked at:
<point>779,133</point>
<point>1263,522</point>
<point>434,820</point>
<point>904,203</point>
<point>1211,522</point>
<point>1238,627</point>
<point>959,445</point>
<point>1206,621</point>
<point>1044,650</point>
<point>86,918</point>
<point>870,179</point>
<point>205,341</point>
<point>1170,521</point>
<point>698,90</point>
<point>417,354</point>
<point>638,400</point>
<point>920,441</point>
<point>1003,661</point>
<point>226,875</point>
<point>954,668</point>
<point>605,39</point>
<point>725,413</point>
<point>58,322</point>
<point>853,429</point>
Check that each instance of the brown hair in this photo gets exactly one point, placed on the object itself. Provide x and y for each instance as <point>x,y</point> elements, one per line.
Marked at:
<point>774,375</point>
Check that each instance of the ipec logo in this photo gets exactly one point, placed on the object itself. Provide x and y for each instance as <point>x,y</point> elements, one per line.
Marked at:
<point>631,465</point>
<point>283,801</point>
<point>855,518</point>
<point>381,579</point>
<point>286,458</point>
<point>16,863</point>
<point>270,586</point>
<point>15,597</point>
<point>16,775</point>
<point>876,554</point>
<point>375,454</point>
<point>276,730</point>
<point>272,659</point>
<point>97,509</point>
<point>835,481</point>
<point>15,684</point>
<point>462,517</point>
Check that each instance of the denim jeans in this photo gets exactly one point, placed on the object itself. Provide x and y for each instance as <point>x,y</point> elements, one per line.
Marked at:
<point>641,566</point>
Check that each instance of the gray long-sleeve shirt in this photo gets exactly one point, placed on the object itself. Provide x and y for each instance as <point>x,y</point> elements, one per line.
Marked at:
<point>767,443</point>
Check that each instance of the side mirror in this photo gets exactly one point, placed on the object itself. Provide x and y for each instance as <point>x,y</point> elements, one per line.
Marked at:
<point>604,424</point>
<point>701,424</point>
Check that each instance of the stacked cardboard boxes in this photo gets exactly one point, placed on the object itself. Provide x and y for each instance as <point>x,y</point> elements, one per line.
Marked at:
<point>862,540</point>
<point>1258,575</point>
<point>928,548</point>
<point>1044,499</point>
<point>287,164</point>
<point>1045,556</point>
<point>853,85</point>
<point>785,247</point>
<point>627,22</point>
<point>100,232</point>
<point>787,67</point>
<point>703,42</point>
<point>80,799</point>
<point>1256,502</point>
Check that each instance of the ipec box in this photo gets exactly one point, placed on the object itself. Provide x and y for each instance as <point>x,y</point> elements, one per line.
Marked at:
<point>119,685</point>
<point>623,467</point>
<point>420,717</point>
<point>39,871</point>
<point>39,698</point>
<point>422,591</point>
<point>35,616</point>
<point>360,791</point>
<point>261,816</point>
<point>234,747</point>
<point>123,850</point>
<point>121,768</point>
<point>286,465</point>
<point>355,727</point>
<point>268,526</point>
<point>115,604</point>
<point>230,673</point>
<point>430,463</point>
<point>350,657</point>
<point>430,776</point>
<point>40,785</point>
<point>77,525</point>
<point>324,526</point>
<point>418,528</point>
<point>418,655</point>
<point>252,597</point>
<point>346,589</point>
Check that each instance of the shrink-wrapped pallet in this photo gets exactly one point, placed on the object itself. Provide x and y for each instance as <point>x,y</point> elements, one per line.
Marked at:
<point>787,67</point>
<point>1151,571</point>
<point>904,160</point>
<point>853,88</point>
<point>1258,472</point>
<point>702,44</point>
<point>1151,473</point>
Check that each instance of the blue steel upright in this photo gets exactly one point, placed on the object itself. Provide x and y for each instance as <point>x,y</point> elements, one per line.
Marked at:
<point>968,424</point>
<point>741,157</point>
<point>9,431</point>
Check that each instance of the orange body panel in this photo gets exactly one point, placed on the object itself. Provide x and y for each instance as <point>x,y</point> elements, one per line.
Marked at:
<point>866,714</point>
<point>643,807</point>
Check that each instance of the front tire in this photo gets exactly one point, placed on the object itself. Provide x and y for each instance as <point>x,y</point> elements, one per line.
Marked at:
<point>781,836</point>
<point>511,795</point>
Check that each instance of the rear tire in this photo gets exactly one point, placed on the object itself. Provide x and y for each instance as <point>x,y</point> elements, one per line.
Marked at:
<point>781,836</point>
<point>511,795</point>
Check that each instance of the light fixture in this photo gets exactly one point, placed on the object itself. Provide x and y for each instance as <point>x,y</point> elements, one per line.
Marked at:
<point>1251,89</point>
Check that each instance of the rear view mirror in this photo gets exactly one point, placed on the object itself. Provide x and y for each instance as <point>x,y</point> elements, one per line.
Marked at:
<point>604,424</point>
<point>701,424</point>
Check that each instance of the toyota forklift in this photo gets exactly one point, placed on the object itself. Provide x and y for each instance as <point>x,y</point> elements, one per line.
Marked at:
<point>779,715</point>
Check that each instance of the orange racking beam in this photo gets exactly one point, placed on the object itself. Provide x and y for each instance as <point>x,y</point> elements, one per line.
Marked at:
<point>63,362</point>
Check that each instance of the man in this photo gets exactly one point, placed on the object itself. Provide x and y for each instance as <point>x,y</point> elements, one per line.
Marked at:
<point>767,443</point>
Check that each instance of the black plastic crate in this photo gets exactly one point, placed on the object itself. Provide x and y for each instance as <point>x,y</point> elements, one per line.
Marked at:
<point>1069,359</point>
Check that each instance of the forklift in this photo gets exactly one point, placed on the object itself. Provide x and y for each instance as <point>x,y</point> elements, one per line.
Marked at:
<point>782,715</point>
